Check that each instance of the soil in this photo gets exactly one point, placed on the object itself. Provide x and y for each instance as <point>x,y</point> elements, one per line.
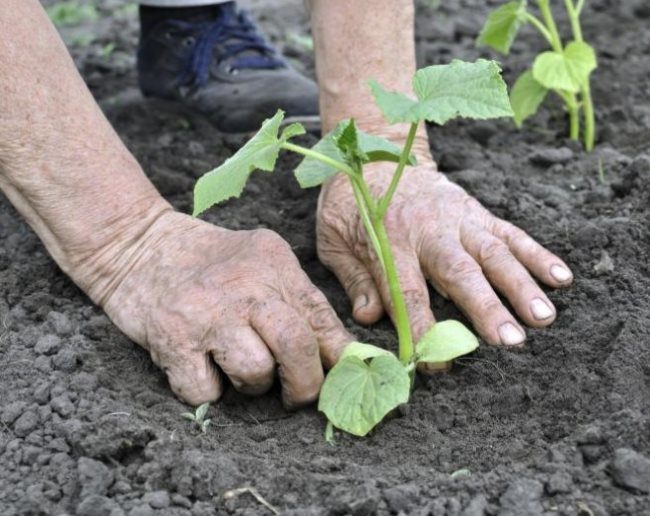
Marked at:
<point>88,425</point>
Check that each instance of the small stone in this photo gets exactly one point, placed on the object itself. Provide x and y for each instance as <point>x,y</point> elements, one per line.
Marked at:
<point>559,482</point>
<point>157,499</point>
<point>141,510</point>
<point>551,156</point>
<point>42,393</point>
<point>62,405</point>
<point>181,501</point>
<point>65,360</point>
<point>12,412</point>
<point>402,498</point>
<point>96,505</point>
<point>47,344</point>
<point>631,470</point>
<point>26,424</point>
<point>43,364</point>
<point>94,476</point>
<point>522,497</point>
<point>60,323</point>
<point>476,506</point>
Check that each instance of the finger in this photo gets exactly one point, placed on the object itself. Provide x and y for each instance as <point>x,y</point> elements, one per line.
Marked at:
<point>357,281</point>
<point>330,333</point>
<point>462,277</point>
<point>244,358</point>
<point>542,263</point>
<point>510,278</point>
<point>294,347</point>
<point>191,373</point>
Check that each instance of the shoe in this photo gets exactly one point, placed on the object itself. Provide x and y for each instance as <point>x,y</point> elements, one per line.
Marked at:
<point>225,69</point>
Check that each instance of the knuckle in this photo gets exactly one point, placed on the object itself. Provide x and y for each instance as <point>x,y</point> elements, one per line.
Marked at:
<point>490,305</point>
<point>356,278</point>
<point>491,250</point>
<point>255,373</point>
<point>270,242</point>
<point>462,270</point>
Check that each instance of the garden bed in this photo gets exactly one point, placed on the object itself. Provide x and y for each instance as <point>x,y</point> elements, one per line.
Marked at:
<point>88,424</point>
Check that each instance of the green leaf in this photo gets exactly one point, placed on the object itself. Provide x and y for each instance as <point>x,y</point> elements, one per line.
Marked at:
<point>347,142</point>
<point>363,351</point>
<point>205,424</point>
<point>228,180</point>
<point>189,416</point>
<point>502,26</point>
<point>312,172</point>
<point>568,70</point>
<point>459,89</point>
<point>291,131</point>
<point>201,411</point>
<point>444,342</point>
<point>69,13</point>
<point>526,96</point>
<point>357,395</point>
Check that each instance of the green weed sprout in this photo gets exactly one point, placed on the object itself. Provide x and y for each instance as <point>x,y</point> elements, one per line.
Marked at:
<point>198,417</point>
<point>564,70</point>
<point>368,382</point>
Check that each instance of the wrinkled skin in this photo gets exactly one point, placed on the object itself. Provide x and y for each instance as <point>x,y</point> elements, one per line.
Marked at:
<point>441,234</point>
<point>235,298</point>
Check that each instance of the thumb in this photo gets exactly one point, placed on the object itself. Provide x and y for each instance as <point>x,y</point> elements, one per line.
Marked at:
<point>192,376</point>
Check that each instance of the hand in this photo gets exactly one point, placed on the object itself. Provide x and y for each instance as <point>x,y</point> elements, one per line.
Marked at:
<point>439,232</point>
<point>196,295</point>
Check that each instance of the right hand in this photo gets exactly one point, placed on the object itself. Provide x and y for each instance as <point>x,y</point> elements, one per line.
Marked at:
<point>196,296</point>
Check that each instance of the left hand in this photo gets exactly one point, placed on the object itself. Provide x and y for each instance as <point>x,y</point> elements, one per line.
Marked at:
<point>440,233</point>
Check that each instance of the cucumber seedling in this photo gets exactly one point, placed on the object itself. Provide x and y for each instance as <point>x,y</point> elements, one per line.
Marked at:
<point>368,382</point>
<point>198,417</point>
<point>564,70</point>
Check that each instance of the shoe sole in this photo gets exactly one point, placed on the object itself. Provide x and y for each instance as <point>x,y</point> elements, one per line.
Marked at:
<point>131,98</point>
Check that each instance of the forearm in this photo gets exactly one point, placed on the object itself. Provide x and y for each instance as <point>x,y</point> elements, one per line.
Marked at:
<point>61,164</point>
<point>358,41</point>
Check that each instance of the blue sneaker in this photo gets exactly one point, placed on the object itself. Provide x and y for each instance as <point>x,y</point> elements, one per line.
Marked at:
<point>224,68</point>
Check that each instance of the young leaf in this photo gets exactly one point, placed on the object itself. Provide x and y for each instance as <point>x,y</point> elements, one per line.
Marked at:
<point>189,416</point>
<point>445,341</point>
<point>312,172</point>
<point>292,131</point>
<point>201,411</point>
<point>205,424</point>
<point>568,70</point>
<point>459,89</point>
<point>526,96</point>
<point>228,180</point>
<point>363,351</point>
<point>502,26</point>
<point>356,395</point>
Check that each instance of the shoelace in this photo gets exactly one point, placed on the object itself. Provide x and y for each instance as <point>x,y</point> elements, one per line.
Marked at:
<point>231,26</point>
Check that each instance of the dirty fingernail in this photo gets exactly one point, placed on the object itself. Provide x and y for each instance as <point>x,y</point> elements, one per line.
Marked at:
<point>360,302</point>
<point>510,335</point>
<point>560,273</point>
<point>540,309</point>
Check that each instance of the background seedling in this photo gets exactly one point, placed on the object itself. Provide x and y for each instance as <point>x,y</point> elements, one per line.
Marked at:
<point>368,382</point>
<point>198,417</point>
<point>564,70</point>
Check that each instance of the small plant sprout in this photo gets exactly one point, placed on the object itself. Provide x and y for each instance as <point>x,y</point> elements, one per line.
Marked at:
<point>198,417</point>
<point>564,70</point>
<point>368,382</point>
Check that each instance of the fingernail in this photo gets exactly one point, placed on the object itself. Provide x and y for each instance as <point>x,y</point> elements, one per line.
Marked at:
<point>560,273</point>
<point>540,309</point>
<point>360,302</point>
<point>511,335</point>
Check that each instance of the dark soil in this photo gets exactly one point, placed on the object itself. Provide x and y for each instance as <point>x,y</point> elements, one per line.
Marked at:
<point>89,426</point>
